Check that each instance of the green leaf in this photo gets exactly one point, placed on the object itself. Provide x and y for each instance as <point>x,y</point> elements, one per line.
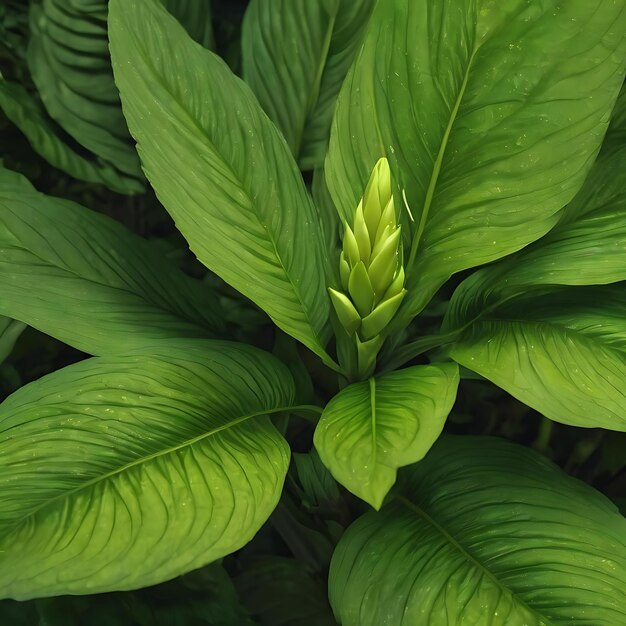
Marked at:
<point>484,532</point>
<point>68,58</point>
<point>296,54</point>
<point>86,280</point>
<point>10,330</point>
<point>588,245</point>
<point>122,472</point>
<point>236,196</point>
<point>562,352</point>
<point>281,592</point>
<point>370,429</point>
<point>490,114</point>
<point>46,138</point>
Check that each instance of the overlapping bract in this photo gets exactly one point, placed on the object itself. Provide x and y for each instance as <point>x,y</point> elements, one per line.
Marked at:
<point>370,267</point>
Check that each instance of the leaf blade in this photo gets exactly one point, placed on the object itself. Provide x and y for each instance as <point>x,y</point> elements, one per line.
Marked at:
<point>372,428</point>
<point>59,278</point>
<point>485,532</point>
<point>143,464</point>
<point>237,197</point>
<point>295,58</point>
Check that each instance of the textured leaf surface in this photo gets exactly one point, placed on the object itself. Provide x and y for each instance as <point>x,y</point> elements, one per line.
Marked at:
<point>485,532</point>
<point>296,54</point>
<point>370,429</point>
<point>562,352</point>
<point>86,280</point>
<point>68,58</point>
<point>587,246</point>
<point>45,137</point>
<point>122,472</point>
<point>490,114</point>
<point>236,196</point>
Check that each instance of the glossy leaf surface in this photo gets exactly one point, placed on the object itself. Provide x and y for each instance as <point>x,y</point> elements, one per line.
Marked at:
<point>86,280</point>
<point>490,114</point>
<point>370,429</point>
<point>484,532</point>
<point>236,196</point>
<point>296,54</point>
<point>122,472</point>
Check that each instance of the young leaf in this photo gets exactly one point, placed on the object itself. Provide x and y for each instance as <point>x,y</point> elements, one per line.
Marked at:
<point>562,352</point>
<point>221,168</point>
<point>86,280</point>
<point>45,137</point>
<point>370,429</point>
<point>296,54</point>
<point>490,114</point>
<point>484,532</point>
<point>122,472</point>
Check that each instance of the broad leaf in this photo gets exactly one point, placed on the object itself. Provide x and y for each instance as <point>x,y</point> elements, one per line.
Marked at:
<point>86,280</point>
<point>370,429</point>
<point>484,532</point>
<point>68,58</point>
<point>490,114</point>
<point>46,138</point>
<point>236,196</point>
<point>296,54</point>
<point>562,352</point>
<point>122,472</point>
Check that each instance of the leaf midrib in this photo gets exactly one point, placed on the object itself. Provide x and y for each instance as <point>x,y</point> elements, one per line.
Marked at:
<point>147,459</point>
<point>470,557</point>
<point>434,177</point>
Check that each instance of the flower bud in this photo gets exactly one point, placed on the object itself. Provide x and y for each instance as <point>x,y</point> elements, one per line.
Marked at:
<point>370,268</point>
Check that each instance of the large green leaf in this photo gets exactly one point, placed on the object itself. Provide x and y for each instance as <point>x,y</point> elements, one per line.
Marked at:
<point>372,428</point>
<point>490,114</point>
<point>484,532</point>
<point>68,58</point>
<point>47,139</point>
<point>562,352</point>
<point>121,472</point>
<point>86,280</point>
<point>221,168</point>
<point>296,54</point>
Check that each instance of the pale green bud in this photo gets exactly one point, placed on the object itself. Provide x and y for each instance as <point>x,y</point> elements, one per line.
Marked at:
<point>372,277</point>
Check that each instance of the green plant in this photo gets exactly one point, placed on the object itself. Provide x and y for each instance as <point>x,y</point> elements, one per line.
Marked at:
<point>465,134</point>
